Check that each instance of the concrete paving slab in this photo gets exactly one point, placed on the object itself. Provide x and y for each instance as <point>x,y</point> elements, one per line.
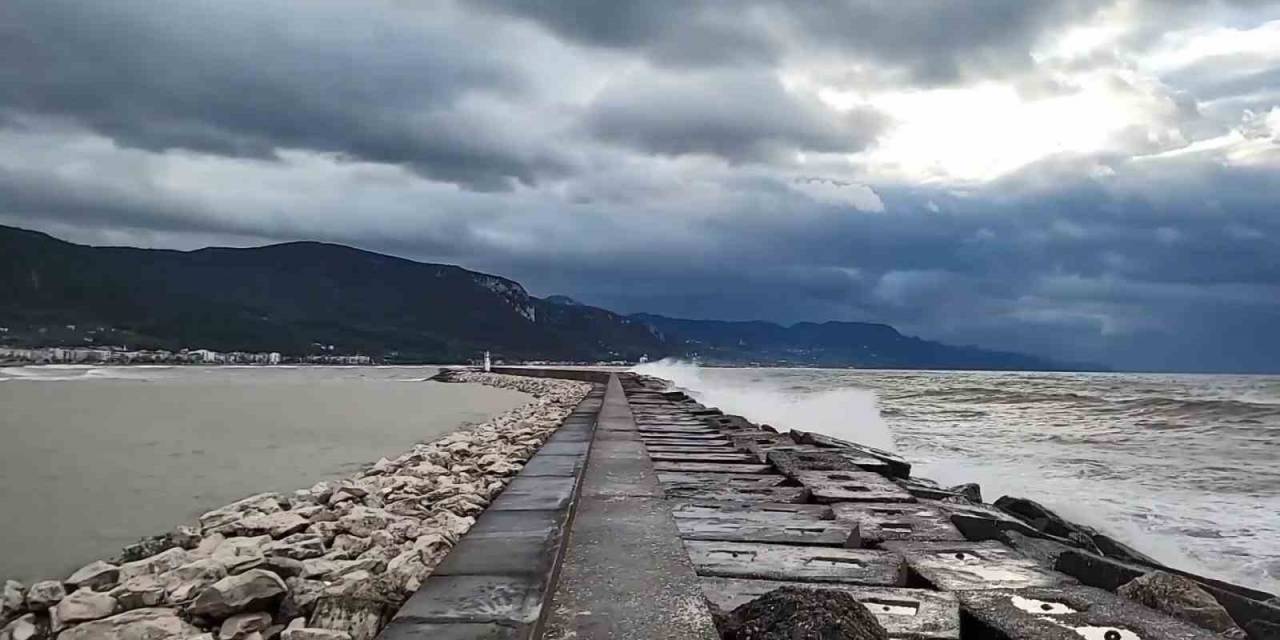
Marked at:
<point>721,479</point>
<point>530,552</point>
<point>756,511</point>
<point>706,456</point>
<point>711,467</point>
<point>535,493</point>
<point>549,465</point>
<point>907,521</point>
<point>730,493</point>
<point>850,486</point>
<point>796,563</point>
<point>968,566</point>
<point>815,532</point>
<point>509,600</point>
<point>689,449</point>
<point>409,629</point>
<point>1069,613</point>
<point>904,613</point>
<point>681,442</point>
<point>565,448</point>
<point>674,435</point>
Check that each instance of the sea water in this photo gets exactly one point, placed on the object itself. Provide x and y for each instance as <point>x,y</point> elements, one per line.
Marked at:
<point>92,458</point>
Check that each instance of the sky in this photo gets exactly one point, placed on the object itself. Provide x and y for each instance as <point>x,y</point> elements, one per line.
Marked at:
<point>1087,180</point>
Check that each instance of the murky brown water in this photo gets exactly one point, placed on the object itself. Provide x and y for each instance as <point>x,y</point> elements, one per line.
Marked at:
<point>92,458</point>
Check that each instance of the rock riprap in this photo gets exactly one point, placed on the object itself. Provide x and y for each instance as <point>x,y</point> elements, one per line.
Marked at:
<point>331,562</point>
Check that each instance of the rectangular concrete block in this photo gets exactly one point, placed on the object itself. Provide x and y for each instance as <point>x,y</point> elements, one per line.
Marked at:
<point>680,435</point>
<point>904,613</point>
<point>968,566</point>
<point>535,493</point>
<point>898,466</point>
<point>791,460</point>
<point>1069,613</point>
<point>732,493</point>
<point>796,563</point>
<point>761,512</point>
<point>711,467</point>
<point>851,486</point>
<point>689,449</point>
<point>890,521</point>
<point>721,479</point>
<point>705,456</point>
<point>506,600</point>
<point>565,448</point>
<point>681,442</point>
<point>551,465</point>
<point>409,629</point>
<point>816,532</point>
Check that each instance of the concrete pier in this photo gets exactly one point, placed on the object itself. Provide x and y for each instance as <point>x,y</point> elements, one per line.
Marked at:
<point>650,516</point>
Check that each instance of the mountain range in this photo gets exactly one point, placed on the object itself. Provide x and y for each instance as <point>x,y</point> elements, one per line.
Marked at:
<point>302,297</point>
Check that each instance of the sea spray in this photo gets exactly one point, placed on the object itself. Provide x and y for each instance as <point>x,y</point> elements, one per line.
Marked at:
<point>847,413</point>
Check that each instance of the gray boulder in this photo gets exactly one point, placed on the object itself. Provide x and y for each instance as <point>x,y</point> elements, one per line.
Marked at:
<point>311,633</point>
<point>139,624</point>
<point>299,546</point>
<point>26,627</point>
<point>82,606</point>
<point>139,592</point>
<point>790,613</point>
<point>98,575</point>
<point>241,626</point>
<point>162,562</point>
<point>1181,598</point>
<point>186,582</point>
<point>254,590</point>
<point>276,525</point>
<point>45,594</point>
<point>13,600</point>
<point>263,503</point>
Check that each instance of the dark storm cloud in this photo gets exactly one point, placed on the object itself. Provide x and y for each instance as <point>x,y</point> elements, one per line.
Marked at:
<point>667,157</point>
<point>738,116</point>
<point>245,79</point>
<point>933,41</point>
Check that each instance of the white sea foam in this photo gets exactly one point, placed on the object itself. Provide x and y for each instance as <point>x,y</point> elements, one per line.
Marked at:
<point>846,413</point>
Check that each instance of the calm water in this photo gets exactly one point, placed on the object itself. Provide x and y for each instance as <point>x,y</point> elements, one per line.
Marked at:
<point>1185,467</point>
<point>92,458</point>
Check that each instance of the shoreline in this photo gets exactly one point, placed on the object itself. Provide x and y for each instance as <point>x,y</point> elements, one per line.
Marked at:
<point>303,555</point>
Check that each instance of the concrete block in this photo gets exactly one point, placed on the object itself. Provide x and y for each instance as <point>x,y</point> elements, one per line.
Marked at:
<point>507,600</point>
<point>897,465</point>
<point>796,563</point>
<point>903,521</point>
<point>1068,613</point>
<point>410,629</point>
<point>678,435</point>
<point>565,448</point>
<point>711,467</point>
<point>817,532</point>
<point>752,511</point>
<point>790,460</point>
<point>721,479</point>
<point>967,566</point>
<point>904,613</point>
<point>851,486</point>
<point>689,449</point>
<point>732,493</point>
<point>551,465</point>
<point>535,493</point>
<point>705,456</point>
<point>683,442</point>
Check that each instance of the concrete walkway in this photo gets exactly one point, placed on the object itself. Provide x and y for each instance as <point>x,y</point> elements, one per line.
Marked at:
<point>626,574</point>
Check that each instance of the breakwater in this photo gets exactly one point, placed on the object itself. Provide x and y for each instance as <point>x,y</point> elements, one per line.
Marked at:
<point>689,523</point>
<point>329,562</point>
